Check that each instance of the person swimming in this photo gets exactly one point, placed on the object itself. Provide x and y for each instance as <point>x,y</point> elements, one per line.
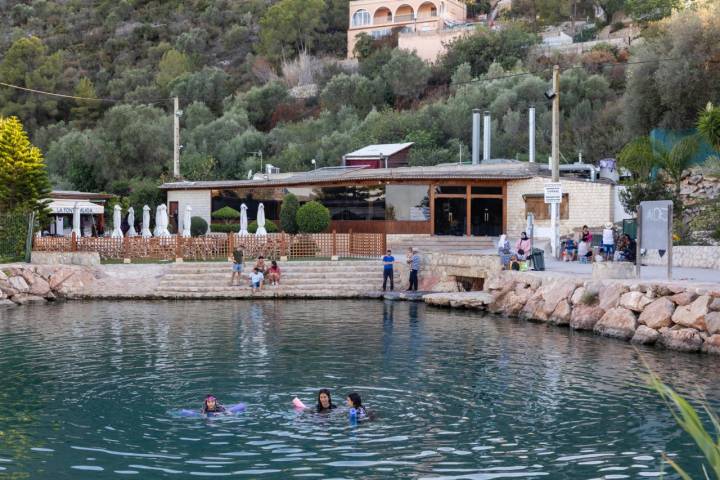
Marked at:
<point>356,407</point>
<point>324,402</point>
<point>212,406</point>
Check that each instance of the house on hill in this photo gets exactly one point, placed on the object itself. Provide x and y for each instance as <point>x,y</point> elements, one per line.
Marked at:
<point>424,26</point>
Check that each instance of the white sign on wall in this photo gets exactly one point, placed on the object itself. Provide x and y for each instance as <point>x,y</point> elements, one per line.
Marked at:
<point>553,192</point>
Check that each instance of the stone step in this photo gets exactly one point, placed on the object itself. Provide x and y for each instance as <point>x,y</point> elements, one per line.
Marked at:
<point>289,264</point>
<point>269,293</point>
<point>296,286</point>
<point>284,269</point>
<point>214,276</point>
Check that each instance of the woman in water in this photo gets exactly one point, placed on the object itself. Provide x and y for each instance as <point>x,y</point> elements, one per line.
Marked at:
<point>356,407</point>
<point>211,406</point>
<point>324,401</point>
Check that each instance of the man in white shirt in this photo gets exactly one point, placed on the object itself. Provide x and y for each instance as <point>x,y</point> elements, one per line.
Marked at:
<point>256,280</point>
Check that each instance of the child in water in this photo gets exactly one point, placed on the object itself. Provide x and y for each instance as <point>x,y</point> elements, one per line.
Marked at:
<point>324,402</point>
<point>356,407</point>
<point>211,406</point>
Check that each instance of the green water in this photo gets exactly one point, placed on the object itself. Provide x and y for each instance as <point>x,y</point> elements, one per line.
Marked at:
<point>88,391</point>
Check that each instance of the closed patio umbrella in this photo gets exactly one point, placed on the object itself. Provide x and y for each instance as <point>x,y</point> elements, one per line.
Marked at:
<point>76,221</point>
<point>161,228</point>
<point>186,222</point>
<point>261,220</point>
<point>158,220</point>
<point>243,220</point>
<point>131,222</point>
<point>146,233</point>
<point>117,222</point>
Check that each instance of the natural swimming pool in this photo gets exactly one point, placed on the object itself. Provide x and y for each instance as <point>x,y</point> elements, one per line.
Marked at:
<point>86,389</point>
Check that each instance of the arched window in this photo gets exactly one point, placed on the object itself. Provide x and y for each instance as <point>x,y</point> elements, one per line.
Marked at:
<point>361,17</point>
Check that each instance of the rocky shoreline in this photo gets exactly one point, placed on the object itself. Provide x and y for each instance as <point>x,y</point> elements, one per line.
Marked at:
<point>678,317</point>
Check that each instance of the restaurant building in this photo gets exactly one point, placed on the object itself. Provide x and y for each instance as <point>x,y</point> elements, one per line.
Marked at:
<point>482,200</point>
<point>92,212</point>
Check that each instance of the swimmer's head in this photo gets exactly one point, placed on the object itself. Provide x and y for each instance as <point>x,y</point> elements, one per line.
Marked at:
<point>324,399</point>
<point>353,400</point>
<point>210,401</point>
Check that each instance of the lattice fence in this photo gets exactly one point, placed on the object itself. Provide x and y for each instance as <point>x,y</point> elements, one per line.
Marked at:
<point>219,247</point>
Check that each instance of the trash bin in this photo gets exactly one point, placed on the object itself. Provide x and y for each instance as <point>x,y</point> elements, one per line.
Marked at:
<point>538,259</point>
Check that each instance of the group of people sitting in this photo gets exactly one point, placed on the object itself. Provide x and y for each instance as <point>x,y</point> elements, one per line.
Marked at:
<point>614,247</point>
<point>324,404</point>
<point>515,259</point>
<point>260,273</point>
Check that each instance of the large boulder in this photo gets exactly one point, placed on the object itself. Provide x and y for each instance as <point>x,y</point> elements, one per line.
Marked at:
<point>59,277</point>
<point>577,295</point>
<point>712,344</point>
<point>533,309</point>
<point>6,288</point>
<point>715,304</point>
<point>25,299</point>
<point>645,335</point>
<point>514,301</point>
<point>635,301</point>
<point>554,292</point>
<point>562,313</point>
<point>693,315</point>
<point>19,284</point>
<point>584,317</point>
<point>658,314</point>
<point>684,298</point>
<point>618,322</point>
<point>39,287</point>
<point>610,296</point>
<point>712,322</point>
<point>682,339</point>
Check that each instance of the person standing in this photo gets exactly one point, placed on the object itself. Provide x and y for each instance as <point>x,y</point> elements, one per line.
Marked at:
<point>237,266</point>
<point>388,261</point>
<point>608,240</point>
<point>414,269</point>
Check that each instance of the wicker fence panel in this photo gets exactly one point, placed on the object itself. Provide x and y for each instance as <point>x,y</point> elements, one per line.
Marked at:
<point>219,247</point>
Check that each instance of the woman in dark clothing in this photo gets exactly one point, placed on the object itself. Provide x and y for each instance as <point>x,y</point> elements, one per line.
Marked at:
<point>212,406</point>
<point>324,401</point>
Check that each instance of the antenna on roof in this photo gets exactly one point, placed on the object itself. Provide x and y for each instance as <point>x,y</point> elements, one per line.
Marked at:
<point>249,175</point>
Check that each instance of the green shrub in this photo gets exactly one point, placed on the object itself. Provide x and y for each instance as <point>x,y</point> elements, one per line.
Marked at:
<point>589,297</point>
<point>198,226</point>
<point>226,214</point>
<point>313,217</point>
<point>225,227</point>
<point>288,214</point>
<point>269,226</point>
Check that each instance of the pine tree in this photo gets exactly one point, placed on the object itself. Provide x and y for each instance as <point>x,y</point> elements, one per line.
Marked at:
<point>24,182</point>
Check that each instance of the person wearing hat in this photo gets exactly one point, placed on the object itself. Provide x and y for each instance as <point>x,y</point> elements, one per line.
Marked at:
<point>608,240</point>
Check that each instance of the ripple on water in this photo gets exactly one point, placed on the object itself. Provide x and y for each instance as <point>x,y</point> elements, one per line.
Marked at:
<point>456,394</point>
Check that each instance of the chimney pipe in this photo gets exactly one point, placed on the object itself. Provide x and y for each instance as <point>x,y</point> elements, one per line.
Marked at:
<point>531,134</point>
<point>475,136</point>
<point>486,136</point>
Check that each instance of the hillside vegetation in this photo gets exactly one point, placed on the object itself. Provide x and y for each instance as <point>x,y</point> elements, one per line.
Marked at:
<point>271,76</point>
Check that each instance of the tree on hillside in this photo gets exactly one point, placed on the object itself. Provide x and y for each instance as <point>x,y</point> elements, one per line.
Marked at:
<point>28,64</point>
<point>86,112</point>
<point>651,10</point>
<point>669,94</point>
<point>209,85</point>
<point>406,74</point>
<point>291,26</point>
<point>172,65</point>
<point>24,182</point>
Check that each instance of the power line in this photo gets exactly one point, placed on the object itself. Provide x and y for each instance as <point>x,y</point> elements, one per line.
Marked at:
<point>75,97</point>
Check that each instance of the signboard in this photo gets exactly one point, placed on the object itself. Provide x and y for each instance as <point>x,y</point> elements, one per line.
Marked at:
<point>553,192</point>
<point>70,210</point>
<point>655,224</point>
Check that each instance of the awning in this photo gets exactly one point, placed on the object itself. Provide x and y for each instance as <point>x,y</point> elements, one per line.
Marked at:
<point>65,207</point>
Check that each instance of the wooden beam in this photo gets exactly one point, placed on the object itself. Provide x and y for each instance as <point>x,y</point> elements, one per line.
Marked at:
<point>468,211</point>
<point>432,209</point>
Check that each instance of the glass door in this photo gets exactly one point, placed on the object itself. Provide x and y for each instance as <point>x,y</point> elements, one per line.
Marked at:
<point>486,217</point>
<point>450,216</point>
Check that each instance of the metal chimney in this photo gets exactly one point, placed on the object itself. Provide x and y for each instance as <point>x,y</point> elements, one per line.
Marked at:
<point>476,136</point>
<point>486,136</point>
<point>531,134</point>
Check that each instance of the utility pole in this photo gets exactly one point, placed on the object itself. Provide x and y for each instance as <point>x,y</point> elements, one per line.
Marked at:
<point>176,137</point>
<point>555,207</point>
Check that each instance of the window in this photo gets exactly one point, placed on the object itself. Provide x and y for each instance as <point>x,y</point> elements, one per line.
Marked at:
<point>486,190</point>
<point>360,18</point>
<point>353,202</point>
<point>407,203</point>
<point>535,204</point>
<point>271,198</point>
<point>450,190</point>
<point>385,32</point>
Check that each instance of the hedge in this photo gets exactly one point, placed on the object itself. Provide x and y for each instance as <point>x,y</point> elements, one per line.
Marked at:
<point>198,226</point>
<point>225,227</point>
<point>226,213</point>
<point>269,226</point>
<point>288,214</point>
<point>313,217</point>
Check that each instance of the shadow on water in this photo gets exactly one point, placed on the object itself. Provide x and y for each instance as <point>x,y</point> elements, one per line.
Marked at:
<point>88,389</point>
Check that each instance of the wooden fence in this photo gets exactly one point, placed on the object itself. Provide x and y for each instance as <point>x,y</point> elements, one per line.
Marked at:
<point>220,247</point>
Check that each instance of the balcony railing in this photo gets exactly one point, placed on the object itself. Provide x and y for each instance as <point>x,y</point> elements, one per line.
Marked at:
<point>404,18</point>
<point>382,20</point>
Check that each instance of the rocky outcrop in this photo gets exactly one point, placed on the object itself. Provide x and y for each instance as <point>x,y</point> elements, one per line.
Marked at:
<point>618,322</point>
<point>23,284</point>
<point>673,315</point>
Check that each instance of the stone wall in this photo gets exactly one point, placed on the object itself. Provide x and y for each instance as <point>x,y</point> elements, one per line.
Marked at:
<point>687,256</point>
<point>675,316</point>
<point>440,271</point>
<point>65,258</point>
<point>696,188</point>
<point>591,203</point>
<point>22,283</point>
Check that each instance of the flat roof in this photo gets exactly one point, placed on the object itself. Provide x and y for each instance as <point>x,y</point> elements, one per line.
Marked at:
<point>496,170</point>
<point>79,195</point>
<point>379,150</point>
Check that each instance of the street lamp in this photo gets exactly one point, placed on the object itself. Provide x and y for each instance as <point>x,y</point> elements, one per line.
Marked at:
<point>314,164</point>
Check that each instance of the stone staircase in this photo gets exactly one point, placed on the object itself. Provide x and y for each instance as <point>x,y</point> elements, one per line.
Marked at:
<point>429,243</point>
<point>300,279</point>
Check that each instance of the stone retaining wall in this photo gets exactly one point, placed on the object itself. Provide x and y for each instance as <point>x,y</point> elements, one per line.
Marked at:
<point>672,315</point>
<point>687,256</point>
<point>22,283</point>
